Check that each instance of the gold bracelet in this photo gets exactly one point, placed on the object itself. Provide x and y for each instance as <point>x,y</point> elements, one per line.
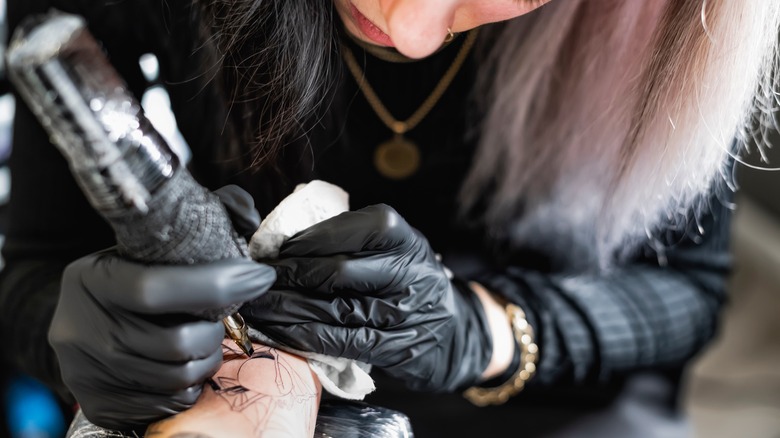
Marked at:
<point>524,335</point>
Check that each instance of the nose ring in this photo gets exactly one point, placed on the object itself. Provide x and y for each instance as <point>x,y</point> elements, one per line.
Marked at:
<point>450,35</point>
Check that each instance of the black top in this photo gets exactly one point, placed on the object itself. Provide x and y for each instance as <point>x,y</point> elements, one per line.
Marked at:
<point>607,341</point>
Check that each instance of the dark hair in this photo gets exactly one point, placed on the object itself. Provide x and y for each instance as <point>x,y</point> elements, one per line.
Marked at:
<point>274,60</point>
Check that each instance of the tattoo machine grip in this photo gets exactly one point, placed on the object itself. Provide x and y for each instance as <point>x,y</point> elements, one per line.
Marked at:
<point>127,171</point>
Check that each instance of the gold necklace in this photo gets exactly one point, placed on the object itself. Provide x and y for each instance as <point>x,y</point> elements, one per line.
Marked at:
<point>399,158</point>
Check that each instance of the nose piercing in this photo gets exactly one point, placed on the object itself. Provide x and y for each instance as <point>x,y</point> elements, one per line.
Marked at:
<point>450,35</point>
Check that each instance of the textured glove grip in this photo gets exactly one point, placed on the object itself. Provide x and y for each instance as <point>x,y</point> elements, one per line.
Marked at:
<point>185,224</point>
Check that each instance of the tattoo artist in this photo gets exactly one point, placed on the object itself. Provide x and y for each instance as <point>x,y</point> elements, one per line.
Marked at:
<point>540,193</point>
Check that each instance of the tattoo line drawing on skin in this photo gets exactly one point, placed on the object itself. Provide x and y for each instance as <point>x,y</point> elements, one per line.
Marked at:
<point>242,396</point>
<point>189,435</point>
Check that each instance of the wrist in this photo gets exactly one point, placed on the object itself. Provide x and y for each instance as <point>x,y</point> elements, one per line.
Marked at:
<point>504,345</point>
<point>524,369</point>
<point>508,373</point>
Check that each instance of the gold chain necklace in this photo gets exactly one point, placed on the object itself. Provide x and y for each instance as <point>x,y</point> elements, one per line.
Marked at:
<point>399,158</point>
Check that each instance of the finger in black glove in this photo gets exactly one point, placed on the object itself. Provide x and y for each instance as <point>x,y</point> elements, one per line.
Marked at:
<point>241,208</point>
<point>128,349</point>
<point>366,285</point>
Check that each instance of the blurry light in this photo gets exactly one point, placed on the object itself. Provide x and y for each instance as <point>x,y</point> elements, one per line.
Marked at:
<point>33,410</point>
<point>150,66</point>
<point>7,109</point>
<point>157,107</point>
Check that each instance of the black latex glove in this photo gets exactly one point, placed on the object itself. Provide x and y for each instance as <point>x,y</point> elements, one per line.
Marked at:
<point>241,209</point>
<point>127,346</point>
<point>365,285</point>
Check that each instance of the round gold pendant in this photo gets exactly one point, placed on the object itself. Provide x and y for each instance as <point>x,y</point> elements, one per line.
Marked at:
<point>397,158</point>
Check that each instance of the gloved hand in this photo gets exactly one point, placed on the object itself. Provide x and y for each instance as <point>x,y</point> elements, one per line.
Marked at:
<point>241,209</point>
<point>128,348</point>
<point>365,285</point>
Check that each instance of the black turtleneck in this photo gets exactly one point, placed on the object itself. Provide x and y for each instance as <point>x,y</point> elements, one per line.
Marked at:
<point>344,151</point>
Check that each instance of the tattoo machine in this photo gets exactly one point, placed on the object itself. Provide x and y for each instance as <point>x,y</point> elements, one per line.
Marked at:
<point>127,171</point>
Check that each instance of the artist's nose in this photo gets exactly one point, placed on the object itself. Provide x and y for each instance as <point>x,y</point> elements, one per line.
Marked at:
<point>418,27</point>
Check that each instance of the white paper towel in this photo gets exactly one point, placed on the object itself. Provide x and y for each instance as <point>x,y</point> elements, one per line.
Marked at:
<point>307,205</point>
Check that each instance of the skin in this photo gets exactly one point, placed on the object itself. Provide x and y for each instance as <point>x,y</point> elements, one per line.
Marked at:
<point>272,394</point>
<point>418,27</point>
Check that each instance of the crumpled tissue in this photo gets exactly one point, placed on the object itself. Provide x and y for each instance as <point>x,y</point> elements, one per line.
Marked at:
<point>307,205</point>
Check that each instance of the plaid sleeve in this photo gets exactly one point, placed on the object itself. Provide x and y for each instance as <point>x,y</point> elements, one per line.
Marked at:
<point>642,315</point>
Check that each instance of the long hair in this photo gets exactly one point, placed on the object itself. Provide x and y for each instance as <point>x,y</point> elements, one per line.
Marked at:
<point>603,120</point>
<point>274,62</point>
<point>610,119</point>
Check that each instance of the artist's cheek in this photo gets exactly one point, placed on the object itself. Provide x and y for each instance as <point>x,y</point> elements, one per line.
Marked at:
<point>472,14</point>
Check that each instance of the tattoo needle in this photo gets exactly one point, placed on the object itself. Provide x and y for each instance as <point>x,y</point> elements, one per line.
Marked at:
<point>237,330</point>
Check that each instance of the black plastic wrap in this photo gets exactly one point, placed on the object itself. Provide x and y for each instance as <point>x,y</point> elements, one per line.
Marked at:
<point>345,419</point>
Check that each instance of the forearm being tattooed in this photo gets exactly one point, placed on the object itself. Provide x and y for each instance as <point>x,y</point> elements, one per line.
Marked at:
<point>271,394</point>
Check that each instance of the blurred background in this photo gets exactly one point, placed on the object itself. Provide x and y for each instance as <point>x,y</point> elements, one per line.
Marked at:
<point>733,389</point>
